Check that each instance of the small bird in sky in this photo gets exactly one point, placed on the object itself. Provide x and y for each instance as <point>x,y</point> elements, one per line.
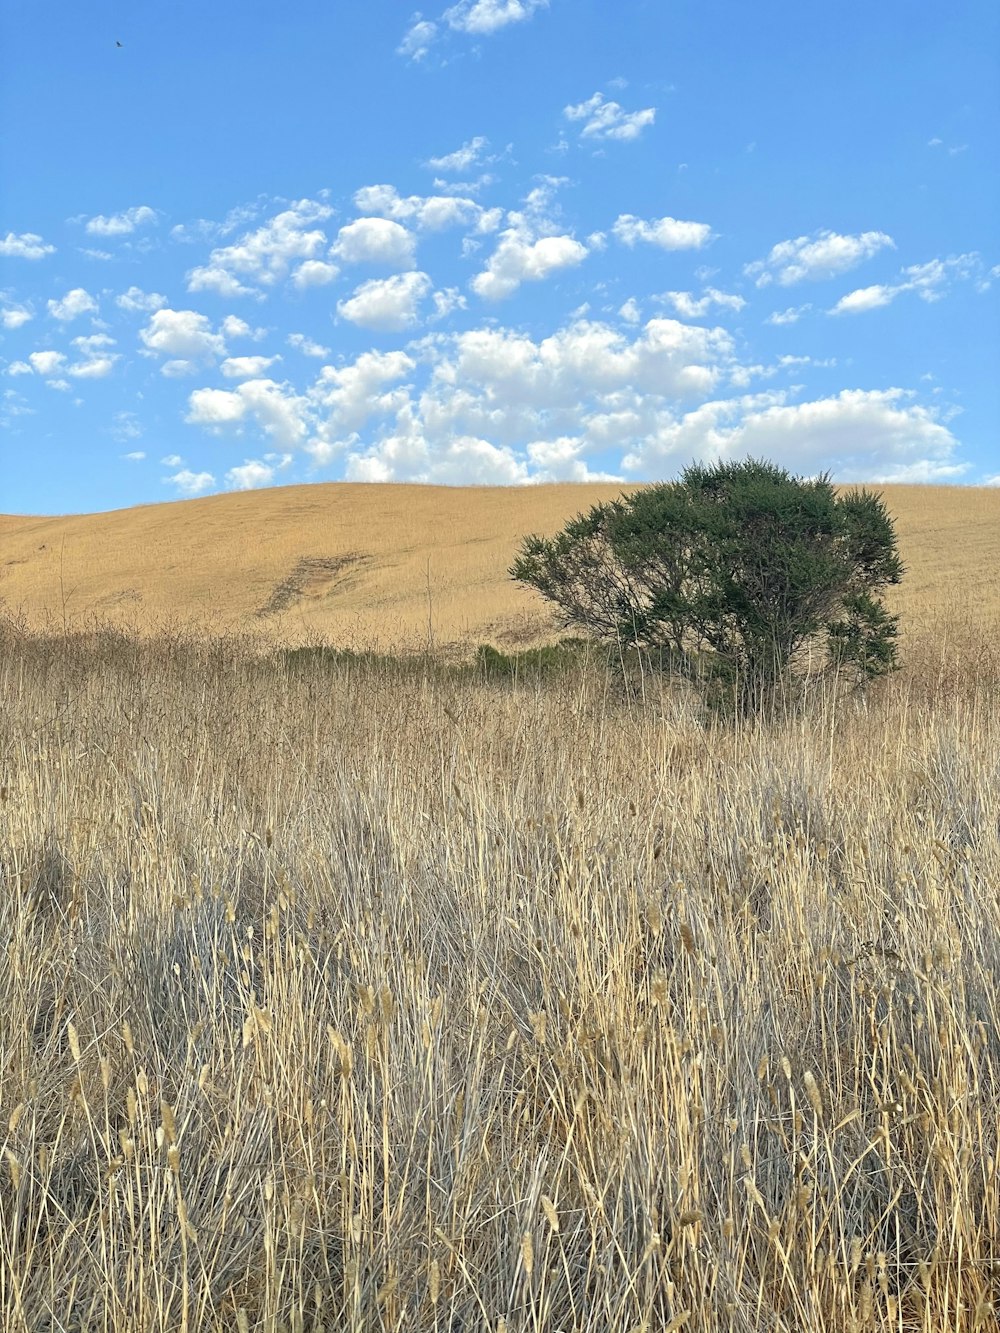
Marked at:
<point>117,43</point>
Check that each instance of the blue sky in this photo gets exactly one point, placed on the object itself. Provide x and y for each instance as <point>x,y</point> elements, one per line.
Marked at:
<point>501,241</point>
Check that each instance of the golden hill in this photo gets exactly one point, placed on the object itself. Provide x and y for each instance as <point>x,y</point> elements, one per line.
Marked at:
<point>390,565</point>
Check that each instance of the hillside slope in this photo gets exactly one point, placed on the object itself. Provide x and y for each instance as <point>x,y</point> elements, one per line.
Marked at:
<point>392,565</point>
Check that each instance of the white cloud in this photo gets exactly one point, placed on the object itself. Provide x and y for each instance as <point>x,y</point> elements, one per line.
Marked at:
<point>352,394</point>
<point>860,435</point>
<point>136,456</point>
<point>215,407</point>
<point>14,316</point>
<point>92,343</point>
<point>429,212</point>
<point>518,259</point>
<point>314,273</point>
<point>46,363</point>
<point>279,413</point>
<point>126,427</point>
<point>691,307</point>
<point>137,302</point>
<point>25,246</point>
<point>121,224</point>
<point>930,281</point>
<point>177,367</point>
<point>214,278</point>
<point>250,475</point>
<point>482,18</point>
<point>264,256</point>
<point>462,159</point>
<point>234,327</point>
<point>607,120</point>
<point>992,481</point>
<point>307,346</point>
<point>75,303</point>
<point>790,316</point>
<point>190,483</point>
<point>389,305</point>
<point>418,39</point>
<point>95,368</point>
<point>182,334</point>
<point>19,368</point>
<point>407,455</point>
<point>822,255</point>
<point>561,459</point>
<point>446,301</point>
<point>630,311</point>
<point>865,298</point>
<point>375,241</point>
<point>667,233</point>
<point>172,460</point>
<point>247,367</point>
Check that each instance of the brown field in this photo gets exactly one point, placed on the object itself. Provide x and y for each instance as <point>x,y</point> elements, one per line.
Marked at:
<point>382,565</point>
<point>363,995</point>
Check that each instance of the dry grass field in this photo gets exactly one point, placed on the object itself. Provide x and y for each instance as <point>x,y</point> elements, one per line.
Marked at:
<point>390,566</point>
<point>355,995</point>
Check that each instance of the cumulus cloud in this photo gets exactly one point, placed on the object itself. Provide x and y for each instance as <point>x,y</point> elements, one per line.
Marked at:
<point>859,435</point>
<point>14,316</point>
<point>26,246</point>
<point>791,315</point>
<point>264,256</point>
<point>93,368</point>
<point>250,475</point>
<point>375,240</point>
<point>247,367</point>
<point>190,483</point>
<point>418,39</point>
<point>46,363</point>
<point>350,395</point>
<point>18,368</point>
<point>865,298</point>
<point>462,159</point>
<point>562,459</point>
<point>519,259</point>
<point>182,335</point>
<point>136,456</point>
<point>74,304</point>
<point>407,455</point>
<point>307,346</point>
<point>138,302</point>
<point>930,281</point>
<point>667,233</point>
<point>429,212</point>
<point>825,254</point>
<point>277,410</point>
<point>630,311</point>
<point>482,18</point>
<point>388,305</point>
<point>121,224</point>
<point>314,273</point>
<point>607,120</point>
<point>215,407</point>
<point>691,307</point>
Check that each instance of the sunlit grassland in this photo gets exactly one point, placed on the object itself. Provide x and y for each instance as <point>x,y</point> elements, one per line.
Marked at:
<point>362,995</point>
<point>395,566</point>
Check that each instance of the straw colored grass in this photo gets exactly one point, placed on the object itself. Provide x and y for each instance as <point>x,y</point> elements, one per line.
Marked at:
<point>372,994</point>
<point>365,997</point>
<point>389,565</point>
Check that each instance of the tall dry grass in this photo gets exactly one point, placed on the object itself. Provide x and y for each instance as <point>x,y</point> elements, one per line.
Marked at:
<point>363,997</point>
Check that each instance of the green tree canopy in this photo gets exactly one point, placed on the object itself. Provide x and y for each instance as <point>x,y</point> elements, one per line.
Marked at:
<point>728,575</point>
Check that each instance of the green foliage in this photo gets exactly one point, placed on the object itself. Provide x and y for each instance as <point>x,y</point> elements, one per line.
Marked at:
<point>531,663</point>
<point>729,577</point>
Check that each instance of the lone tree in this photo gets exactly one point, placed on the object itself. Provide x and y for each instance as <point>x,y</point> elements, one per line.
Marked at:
<point>729,576</point>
